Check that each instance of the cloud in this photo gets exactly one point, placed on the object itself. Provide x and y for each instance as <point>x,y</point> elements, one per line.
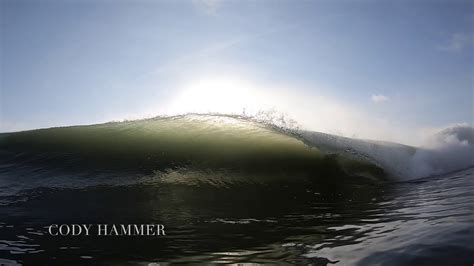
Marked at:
<point>208,6</point>
<point>379,98</point>
<point>190,59</point>
<point>213,49</point>
<point>457,42</point>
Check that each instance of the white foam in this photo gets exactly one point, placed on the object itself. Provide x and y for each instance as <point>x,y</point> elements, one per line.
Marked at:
<point>450,149</point>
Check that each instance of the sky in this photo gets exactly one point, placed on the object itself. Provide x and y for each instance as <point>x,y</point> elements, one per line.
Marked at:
<point>386,70</point>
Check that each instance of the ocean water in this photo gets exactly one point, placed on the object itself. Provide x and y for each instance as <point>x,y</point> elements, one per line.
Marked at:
<point>230,189</point>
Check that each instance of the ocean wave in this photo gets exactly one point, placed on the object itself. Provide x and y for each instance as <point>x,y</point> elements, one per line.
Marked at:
<point>221,150</point>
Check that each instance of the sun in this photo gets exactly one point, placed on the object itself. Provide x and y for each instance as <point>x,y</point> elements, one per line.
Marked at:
<point>217,95</point>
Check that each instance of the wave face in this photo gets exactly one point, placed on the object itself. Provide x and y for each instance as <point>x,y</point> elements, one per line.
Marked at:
<point>221,150</point>
<point>190,149</point>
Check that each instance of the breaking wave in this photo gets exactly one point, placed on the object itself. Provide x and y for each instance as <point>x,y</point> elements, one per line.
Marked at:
<point>448,150</point>
<point>220,150</point>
